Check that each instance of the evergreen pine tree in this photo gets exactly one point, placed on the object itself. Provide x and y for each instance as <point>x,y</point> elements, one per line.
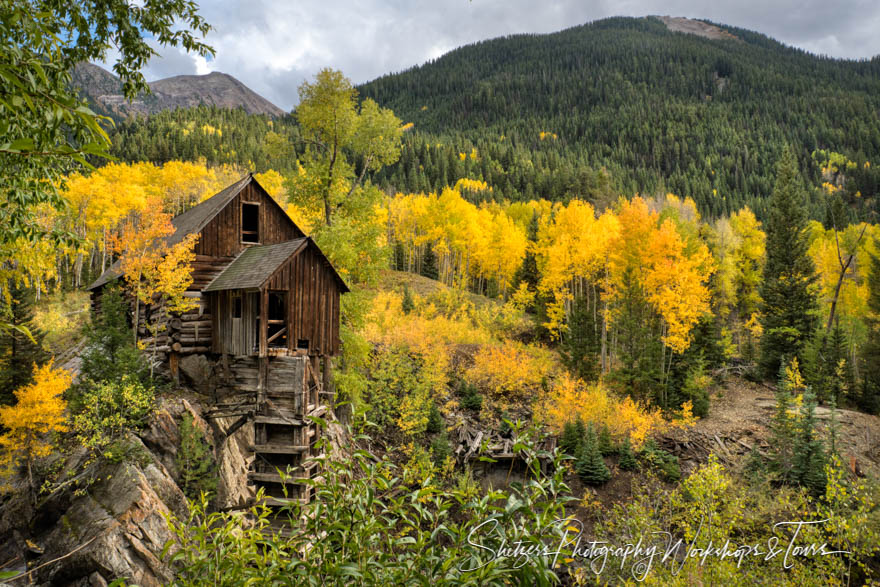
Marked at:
<point>407,304</point>
<point>816,364</point>
<point>580,429</point>
<point>696,388</point>
<point>528,272</point>
<point>110,351</point>
<point>435,419</point>
<point>869,397</point>
<point>590,466</point>
<point>570,441</point>
<point>639,350</point>
<point>826,366</point>
<point>18,353</point>
<point>399,257</point>
<point>195,460</point>
<point>580,345</point>
<point>808,458</point>
<point>833,431</point>
<point>606,446</point>
<point>788,313</point>
<point>841,376</point>
<point>429,263</point>
<point>627,457</point>
<point>782,430</point>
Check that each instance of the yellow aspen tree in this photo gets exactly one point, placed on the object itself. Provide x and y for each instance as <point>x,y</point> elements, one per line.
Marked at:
<point>150,266</point>
<point>29,424</point>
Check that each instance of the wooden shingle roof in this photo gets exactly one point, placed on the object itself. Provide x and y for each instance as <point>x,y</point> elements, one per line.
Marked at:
<point>255,265</point>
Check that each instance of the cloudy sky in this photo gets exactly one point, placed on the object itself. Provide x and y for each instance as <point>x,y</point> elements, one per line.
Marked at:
<point>272,46</point>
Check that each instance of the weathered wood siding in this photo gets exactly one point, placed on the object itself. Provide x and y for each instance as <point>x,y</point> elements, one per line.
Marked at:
<point>313,301</point>
<point>221,237</point>
<point>235,336</point>
<point>312,314</point>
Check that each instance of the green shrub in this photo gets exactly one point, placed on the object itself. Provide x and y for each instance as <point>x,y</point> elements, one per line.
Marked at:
<point>376,531</point>
<point>107,409</point>
<point>665,463</point>
<point>195,460</point>
<point>471,399</point>
<point>397,392</point>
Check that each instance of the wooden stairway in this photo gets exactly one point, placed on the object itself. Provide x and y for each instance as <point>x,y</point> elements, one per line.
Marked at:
<point>277,395</point>
<point>284,437</point>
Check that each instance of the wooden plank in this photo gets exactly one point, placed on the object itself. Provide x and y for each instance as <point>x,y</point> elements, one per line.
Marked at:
<point>264,313</point>
<point>279,448</point>
<point>278,420</point>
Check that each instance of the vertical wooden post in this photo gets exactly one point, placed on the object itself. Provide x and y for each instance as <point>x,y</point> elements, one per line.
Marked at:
<point>174,365</point>
<point>262,382</point>
<point>264,321</point>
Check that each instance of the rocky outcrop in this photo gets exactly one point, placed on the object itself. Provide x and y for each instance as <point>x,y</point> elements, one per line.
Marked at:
<point>112,517</point>
<point>233,462</point>
<point>104,90</point>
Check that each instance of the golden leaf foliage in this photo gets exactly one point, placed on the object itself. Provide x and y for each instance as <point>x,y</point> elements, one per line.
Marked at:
<point>852,303</point>
<point>594,403</point>
<point>673,272</point>
<point>471,242</point>
<point>37,413</point>
<point>512,370</point>
<point>577,251</point>
<point>572,251</point>
<point>100,201</point>
<point>151,267</point>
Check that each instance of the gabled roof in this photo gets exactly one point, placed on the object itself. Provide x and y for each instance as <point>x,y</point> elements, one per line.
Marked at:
<point>192,221</point>
<point>256,264</point>
<point>197,217</point>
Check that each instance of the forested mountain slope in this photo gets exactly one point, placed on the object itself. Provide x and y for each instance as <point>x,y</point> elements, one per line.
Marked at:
<point>615,107</point>
<point>700,117</point>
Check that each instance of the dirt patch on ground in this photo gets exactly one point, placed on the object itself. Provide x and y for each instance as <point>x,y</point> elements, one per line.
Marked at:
<point>739,419</point>
<point>696,27</point>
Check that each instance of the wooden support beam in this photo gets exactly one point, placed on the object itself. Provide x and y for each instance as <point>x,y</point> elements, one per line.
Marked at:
<point>236,425</point>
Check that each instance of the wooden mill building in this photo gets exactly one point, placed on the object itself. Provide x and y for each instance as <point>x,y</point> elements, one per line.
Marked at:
<point>266,326</point>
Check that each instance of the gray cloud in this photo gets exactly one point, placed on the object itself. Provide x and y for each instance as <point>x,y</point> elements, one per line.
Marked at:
<point>273,46</point>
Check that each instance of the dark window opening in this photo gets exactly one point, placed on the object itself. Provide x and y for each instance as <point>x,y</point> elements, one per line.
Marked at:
<point>250,223</point>
<point>236,307</point>
<point>276,323</point>
<point>302,344</point>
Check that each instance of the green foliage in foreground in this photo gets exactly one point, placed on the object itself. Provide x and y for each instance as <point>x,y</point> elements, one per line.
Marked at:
<point>368,526</point>
<point>714,505</point>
